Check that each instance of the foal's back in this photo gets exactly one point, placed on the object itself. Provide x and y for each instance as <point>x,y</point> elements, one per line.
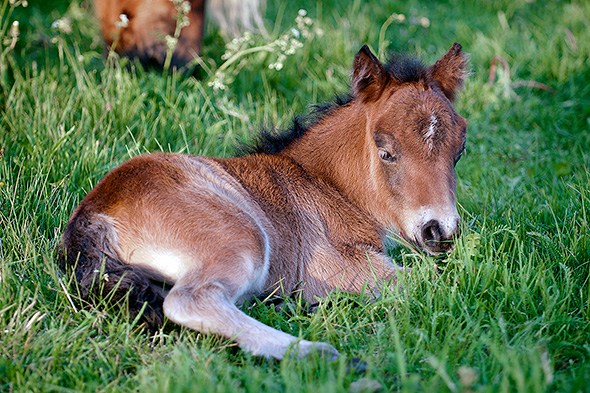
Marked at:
<point>179,213</point>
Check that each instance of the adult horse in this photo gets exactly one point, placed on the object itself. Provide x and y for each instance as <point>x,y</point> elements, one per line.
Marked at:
<point>148,22</point>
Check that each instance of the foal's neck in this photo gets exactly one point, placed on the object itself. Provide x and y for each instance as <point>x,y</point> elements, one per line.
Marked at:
<point>338,151</point>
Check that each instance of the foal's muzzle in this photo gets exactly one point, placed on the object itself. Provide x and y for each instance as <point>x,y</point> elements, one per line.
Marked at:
<point>437,239</point>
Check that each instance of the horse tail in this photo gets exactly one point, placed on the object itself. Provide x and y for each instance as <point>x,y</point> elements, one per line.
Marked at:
<point>88,251</point>
<point>233,15</point>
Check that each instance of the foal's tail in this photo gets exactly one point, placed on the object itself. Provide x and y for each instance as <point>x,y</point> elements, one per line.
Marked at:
<point>88,251</point>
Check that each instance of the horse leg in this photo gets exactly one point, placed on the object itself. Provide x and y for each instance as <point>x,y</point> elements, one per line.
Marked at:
<point>206,302</point>
<point>350,268</point>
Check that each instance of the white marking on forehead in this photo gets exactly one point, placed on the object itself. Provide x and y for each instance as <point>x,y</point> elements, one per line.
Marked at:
<point>429,135</point>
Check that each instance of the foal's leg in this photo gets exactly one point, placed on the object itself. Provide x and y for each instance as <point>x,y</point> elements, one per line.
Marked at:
<point>350,268</point>
<point>205,301</point>
<point>371,267</point>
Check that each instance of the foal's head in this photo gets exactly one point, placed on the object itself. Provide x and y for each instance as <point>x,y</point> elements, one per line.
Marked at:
<point>414,138</point>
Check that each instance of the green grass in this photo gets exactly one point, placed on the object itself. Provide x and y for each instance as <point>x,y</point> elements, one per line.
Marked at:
<point>509,310</point>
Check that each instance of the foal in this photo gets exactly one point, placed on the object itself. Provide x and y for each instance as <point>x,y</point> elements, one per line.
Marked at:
<point>308,211</point>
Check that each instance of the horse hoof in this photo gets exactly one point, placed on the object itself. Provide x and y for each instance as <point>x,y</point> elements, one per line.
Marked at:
<point>324,350</point>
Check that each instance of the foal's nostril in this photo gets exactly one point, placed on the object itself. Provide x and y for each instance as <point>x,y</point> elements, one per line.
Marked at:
<point>435,240</point>
<point>431,232</point>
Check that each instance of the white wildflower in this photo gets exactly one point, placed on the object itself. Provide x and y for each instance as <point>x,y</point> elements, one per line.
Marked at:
<point>122,22</point>
<point>399,18</point>
<point>184,22</point>
<point>423,21</point>
<point>185,7</point>
<point>285,45</point>
<point>63,25</point>
<point>217,83</point>
<point>14,30</point>
<point>276,66</point>
<point>171,41</point>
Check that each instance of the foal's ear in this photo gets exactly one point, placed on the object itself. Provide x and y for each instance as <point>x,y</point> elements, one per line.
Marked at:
<point>369,77</point>
<point>450,71</point>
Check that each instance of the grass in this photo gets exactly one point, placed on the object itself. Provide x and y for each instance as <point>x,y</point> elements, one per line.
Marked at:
<point>509,310</point>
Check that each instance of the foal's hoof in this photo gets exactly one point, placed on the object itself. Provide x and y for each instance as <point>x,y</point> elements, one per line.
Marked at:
<point>325,351</point>
<point>305,348</point>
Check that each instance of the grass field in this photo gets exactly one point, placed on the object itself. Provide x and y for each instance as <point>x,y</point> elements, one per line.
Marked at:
<point>508,310</point>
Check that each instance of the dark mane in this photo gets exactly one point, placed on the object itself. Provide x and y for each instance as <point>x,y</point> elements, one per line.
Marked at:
<point>271,141</point>
<point>405,68</point>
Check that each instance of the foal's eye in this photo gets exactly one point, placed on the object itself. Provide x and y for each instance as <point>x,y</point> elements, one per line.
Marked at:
<point>386,156</point>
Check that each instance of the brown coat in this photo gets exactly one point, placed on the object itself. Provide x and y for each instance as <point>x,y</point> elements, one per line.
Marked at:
<point>192,236</point>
